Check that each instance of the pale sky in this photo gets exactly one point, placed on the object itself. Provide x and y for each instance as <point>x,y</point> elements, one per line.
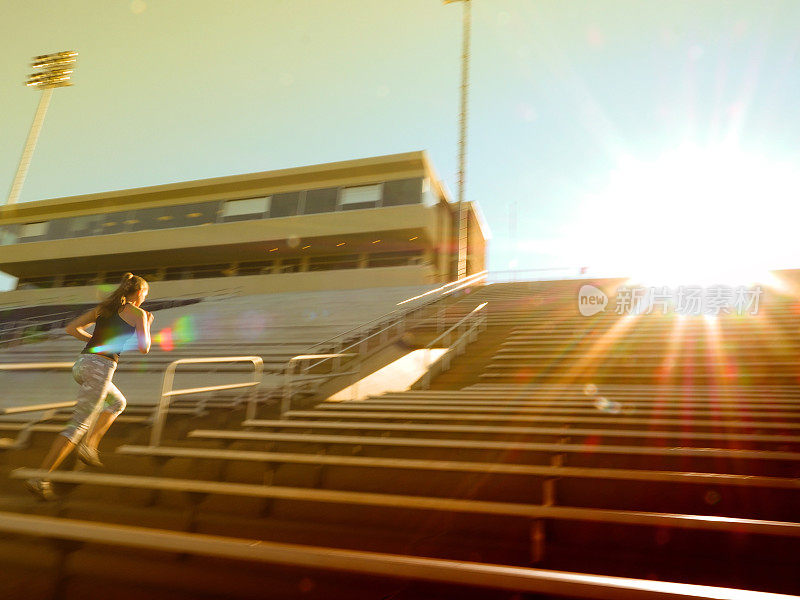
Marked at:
<point>570,101</point>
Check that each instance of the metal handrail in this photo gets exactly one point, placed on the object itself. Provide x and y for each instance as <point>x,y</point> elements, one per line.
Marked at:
<point>478,316</point>
<point>459,283</point>
<point>16,410</point>
<point>169,376</point>
<point>361,343</point>
<point>464,318</point>
<point>286,396</point>
<point>357,343</point>
<point>464,281</point>
<point>400,318</point>
<point>48,410</point>
<point>35,366</point>
<point>521,275</point>
<point>286,399</point>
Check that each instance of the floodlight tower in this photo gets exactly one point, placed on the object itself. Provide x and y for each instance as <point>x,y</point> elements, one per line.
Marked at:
<point>462,143</point>
<point>52,71</point>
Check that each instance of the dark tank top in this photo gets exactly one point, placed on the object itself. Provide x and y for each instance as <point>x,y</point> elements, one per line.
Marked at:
<point>109,337</point>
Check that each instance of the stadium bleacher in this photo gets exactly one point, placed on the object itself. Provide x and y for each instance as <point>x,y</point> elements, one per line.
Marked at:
<point>274,326</point>
<point>561,456</point>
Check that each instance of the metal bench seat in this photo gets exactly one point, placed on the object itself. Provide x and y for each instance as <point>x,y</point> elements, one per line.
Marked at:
<point>425,503</point>
<point>369,563</point>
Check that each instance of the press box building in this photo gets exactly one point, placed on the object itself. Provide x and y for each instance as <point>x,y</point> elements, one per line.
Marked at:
<point>381,221</point>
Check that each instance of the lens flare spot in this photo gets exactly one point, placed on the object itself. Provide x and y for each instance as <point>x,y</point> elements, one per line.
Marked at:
<point>164,339</point>
<point>592,442</point>
<point>609,406</point>
<point>183,330</point>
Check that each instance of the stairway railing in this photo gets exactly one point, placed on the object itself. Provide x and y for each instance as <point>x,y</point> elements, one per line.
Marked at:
<point>467,330</point>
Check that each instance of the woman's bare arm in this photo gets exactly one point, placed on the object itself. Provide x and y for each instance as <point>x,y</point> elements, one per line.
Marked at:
<point>143,320</point>
<point>76,327</point>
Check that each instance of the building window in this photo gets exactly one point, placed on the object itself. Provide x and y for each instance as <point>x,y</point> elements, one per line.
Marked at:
<point>58,229</point>
<point>363,196</point>
<point>402,191</point>
<point>192,215</point>
<point>249,208</point>
<point>30,283</point>
<point>395,259</point>
<point>285,205</point>
<point>328,263</point>
<point>8,235</point>
<point>205,271</point>
<point>79,280</point>
<point>159,217</point>
<point>320,201</point>
<point>290,265</point>
<point>113,277</point>
<point>174,273</point>
<point>255,267</point>
<point>34,230</point>
<point>149,274</point>
<point>86,225</point>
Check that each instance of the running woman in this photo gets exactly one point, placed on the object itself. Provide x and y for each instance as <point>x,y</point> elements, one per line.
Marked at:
<point>116,320</point>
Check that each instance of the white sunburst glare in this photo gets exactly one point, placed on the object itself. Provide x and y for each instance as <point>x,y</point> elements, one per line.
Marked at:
<point>695,216</point>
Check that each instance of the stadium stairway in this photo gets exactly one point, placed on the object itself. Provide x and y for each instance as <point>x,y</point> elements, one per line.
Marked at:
<point>544,339</point>
<point>488,488</point>
<point>511,307</point>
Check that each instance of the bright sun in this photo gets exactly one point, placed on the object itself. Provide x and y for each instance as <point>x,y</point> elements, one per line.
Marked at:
<point>696,217</point>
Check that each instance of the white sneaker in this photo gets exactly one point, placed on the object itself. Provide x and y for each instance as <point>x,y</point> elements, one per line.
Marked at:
<point>41,489</point>
<point>89,456</point>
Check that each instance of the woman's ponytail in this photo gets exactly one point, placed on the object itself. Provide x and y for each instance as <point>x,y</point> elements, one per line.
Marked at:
<point>129,285</point>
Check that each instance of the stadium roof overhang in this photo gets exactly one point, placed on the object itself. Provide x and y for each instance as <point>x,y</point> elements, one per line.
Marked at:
<point>351,172</point>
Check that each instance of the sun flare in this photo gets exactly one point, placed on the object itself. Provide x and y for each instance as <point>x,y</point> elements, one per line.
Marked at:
<point>694,216</point>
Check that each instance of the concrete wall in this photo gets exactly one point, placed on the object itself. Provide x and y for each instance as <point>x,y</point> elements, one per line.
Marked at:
<point>476,243</point>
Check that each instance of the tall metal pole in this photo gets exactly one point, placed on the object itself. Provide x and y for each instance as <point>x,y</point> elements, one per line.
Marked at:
<point>53,70</point>
<point>30,146</point>
<point>462,144</point>
<point>461,269</point>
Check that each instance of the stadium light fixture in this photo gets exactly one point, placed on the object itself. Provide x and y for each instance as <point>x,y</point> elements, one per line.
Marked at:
<point>461,270</point>
<point>52,71</point>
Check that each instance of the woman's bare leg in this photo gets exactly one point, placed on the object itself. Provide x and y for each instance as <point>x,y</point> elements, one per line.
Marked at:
<point>60,449</point>
<point>98,430</point>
